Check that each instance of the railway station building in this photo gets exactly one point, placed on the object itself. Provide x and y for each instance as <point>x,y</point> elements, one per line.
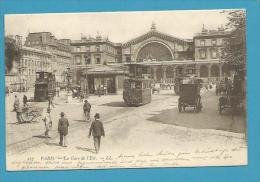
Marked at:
<point>168,56</point>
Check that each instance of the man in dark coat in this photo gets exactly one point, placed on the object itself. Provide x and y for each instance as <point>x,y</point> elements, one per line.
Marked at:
<point>86,111</point>
<point>63,129</point>
<point>97,131</point>
<point>16,103</point>
<point>25,100</point>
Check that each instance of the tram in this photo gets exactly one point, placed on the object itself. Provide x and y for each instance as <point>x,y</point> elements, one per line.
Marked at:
<point>137,88</point>
<point>44,86</point>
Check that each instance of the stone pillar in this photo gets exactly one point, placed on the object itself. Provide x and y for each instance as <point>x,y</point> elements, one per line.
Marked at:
<point>116,84</point>
<point>220,71</point>
<point>174,72</point>
<point>184,69</point>
<point>154,73</point>
<point>209,72</point>
<point>198,71</point>
<point>82,59</point>
<point>164,73</point>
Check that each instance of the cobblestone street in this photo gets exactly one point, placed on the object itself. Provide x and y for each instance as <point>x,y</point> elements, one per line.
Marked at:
<point>133,129</point>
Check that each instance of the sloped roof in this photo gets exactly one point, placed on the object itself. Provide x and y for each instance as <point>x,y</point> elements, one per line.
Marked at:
<point>155,33</point>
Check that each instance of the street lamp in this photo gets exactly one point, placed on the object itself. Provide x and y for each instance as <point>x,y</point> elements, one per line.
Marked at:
<point>84,84</point>
<point>68,78</point>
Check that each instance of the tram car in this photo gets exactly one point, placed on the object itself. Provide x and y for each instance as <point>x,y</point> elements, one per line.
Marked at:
<point>138,87</point>
<point>44,86</point>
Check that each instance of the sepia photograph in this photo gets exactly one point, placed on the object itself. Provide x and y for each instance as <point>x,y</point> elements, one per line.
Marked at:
<point>140,89</point>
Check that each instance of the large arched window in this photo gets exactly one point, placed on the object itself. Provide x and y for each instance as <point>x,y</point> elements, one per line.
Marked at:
<point>204,72</point>
<point>154,51</point>
<point>225,70</point>
<point>214,70</point>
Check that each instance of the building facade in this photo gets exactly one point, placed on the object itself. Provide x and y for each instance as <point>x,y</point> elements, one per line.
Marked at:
<point>209,47</point>
<point>101,60</point>
<point>168,56</point>
<point>23,73</point>
<point>60,49</point>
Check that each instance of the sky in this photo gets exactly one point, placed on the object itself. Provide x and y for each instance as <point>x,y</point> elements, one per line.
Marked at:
<point>118,26</point>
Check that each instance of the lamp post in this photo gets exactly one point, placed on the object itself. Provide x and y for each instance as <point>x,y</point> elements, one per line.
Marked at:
<point>68,79</point>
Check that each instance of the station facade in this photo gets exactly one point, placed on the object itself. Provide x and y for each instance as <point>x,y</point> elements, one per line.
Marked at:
<point>168,56</point>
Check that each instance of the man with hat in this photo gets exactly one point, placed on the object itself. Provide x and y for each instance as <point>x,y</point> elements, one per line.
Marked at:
<point>97,130</point>
<point>63,129</point>
<point>47,122</point>
<point>86,111</point>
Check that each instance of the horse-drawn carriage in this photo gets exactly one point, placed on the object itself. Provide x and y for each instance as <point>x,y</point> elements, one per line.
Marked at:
<point>221,87</point>
<point>30,113</point>
<point>189,97</point>
<point>232,97</point>
<point>233,102</point>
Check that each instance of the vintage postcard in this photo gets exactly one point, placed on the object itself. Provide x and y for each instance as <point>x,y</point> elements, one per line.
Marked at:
<point>125,90</point>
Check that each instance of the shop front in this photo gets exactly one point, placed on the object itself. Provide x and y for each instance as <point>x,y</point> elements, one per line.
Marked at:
<point>101,80</point>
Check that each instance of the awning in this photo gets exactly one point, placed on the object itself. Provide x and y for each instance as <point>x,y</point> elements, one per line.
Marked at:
<point>105,70</point>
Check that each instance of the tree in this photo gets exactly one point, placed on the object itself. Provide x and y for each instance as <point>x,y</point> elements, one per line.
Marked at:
<point>234,52</point>
<point>12,54</point>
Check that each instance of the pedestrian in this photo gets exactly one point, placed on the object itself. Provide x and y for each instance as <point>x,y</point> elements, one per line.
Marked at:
<point>7,91</point>
<point>25,100</point>
<point>18,111</point>
<point>47,119</point>
<point>63,129</point>
<point>99,90</point>
<point>81,96</point>
<point>58,91</point>
<point>86,111</point>
<point>16,103</point>
<point>50,99</point>
<point>97,130</point>
<point>207,87</point>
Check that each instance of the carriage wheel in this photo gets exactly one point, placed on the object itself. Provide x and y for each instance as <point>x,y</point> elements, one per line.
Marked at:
<point>179,107</point>
<point>197,106</point>
<point>219,108</point>
<point>200,106</point>
<point>26,117</point>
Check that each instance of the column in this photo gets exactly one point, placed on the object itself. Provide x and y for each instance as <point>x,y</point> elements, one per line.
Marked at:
<point>198,71</point>
<point>220,71</point>
<point>174,71</point>
<point>164,73</point>
<point>116,84</point>
<point>209,71</point>
<point>154,73</point>
<point>82,59</point>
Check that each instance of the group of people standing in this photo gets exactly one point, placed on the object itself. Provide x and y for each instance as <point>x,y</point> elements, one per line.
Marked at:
<point>96,128</point>
<point>63,126</point>
<point>18,108</point>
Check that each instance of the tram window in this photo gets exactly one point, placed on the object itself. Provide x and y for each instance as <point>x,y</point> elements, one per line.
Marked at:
<point>132,84</point>
<point>37,76</point>
<point>139,85</point>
